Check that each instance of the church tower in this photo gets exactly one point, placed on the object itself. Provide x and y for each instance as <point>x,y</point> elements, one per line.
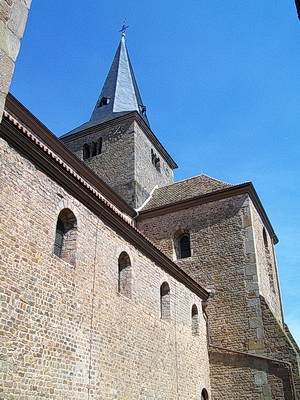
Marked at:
<point>117,142</point>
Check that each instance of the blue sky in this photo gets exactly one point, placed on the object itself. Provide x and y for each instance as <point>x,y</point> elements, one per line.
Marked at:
<point>221,82</point>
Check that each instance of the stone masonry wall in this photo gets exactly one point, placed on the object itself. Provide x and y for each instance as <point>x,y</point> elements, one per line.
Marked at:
<point>147,175</point>
<point>224,259</point>
<point>66,332</point>
<point>242,377</point>
<point>278,343</point>
<point>13,16</point>
<point>266,266</point>
<point>221,258</point>
<point>115,164</point>
<point>125,162</point>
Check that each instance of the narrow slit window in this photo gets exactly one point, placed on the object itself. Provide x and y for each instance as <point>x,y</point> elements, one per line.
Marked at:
<point>86,151</point>
<point>124,275</point>
<point>66,236</point>
<point>204,395</point>
<point>195,321</point>
<point>165,306</point>
<point>265,239</point>
<point>94,149</point>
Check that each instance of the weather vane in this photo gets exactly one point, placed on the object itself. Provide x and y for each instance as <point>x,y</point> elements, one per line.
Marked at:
<point>124,27</point>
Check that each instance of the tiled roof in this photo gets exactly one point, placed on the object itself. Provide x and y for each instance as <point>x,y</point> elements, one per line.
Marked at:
<point>185,189</point>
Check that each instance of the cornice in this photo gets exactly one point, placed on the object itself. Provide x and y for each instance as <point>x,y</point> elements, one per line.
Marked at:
<point>63,173</point>
<point>236,190</point>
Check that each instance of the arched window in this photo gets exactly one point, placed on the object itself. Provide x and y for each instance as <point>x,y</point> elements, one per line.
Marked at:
<point>124,275</point>
<point>165,306</point>
<point>65,236</point>
<point>184,246</point>
<point>204,395</point>
<point>195,321</point>
<point>86,151</point>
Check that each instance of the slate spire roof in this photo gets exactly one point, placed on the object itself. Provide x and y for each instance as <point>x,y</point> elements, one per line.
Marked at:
<point>119,95</point>
<point>120,92</point>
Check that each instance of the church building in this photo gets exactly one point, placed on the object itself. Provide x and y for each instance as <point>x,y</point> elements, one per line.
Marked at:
<point>119,283</point>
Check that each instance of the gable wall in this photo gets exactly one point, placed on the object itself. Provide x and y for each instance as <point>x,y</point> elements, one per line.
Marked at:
<point>66,331</point>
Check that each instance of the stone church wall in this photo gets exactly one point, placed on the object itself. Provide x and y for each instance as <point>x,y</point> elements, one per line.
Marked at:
<point>224,258</point>
<point>66,331</point>
<point>218,234</point>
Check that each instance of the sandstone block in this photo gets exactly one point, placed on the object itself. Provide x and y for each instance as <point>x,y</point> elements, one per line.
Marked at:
<point>9,42</point>
<point>17,21</point>
<point>6,70</point>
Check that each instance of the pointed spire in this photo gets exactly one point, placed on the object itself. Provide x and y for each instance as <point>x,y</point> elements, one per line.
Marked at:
<point>120,93</point>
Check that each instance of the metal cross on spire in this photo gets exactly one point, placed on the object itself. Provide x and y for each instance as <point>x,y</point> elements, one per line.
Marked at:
<point>124,27</point>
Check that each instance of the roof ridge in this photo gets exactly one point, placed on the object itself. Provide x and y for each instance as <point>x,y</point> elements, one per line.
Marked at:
<point>196,176</point>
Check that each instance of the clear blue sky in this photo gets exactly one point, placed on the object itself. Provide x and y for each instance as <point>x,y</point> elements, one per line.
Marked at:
<point>220,79</point>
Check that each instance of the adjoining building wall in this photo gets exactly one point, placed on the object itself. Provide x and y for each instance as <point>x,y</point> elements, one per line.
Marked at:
<point>13,17</point>
<point>225,252</point>
<point>67,332</point>
<point>246,377</point>
<point>220,261</point>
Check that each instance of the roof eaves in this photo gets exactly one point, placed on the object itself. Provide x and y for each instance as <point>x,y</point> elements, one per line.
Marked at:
<point>234,190</point>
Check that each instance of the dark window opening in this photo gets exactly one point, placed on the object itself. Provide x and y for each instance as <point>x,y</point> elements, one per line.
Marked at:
<point>184,246</point>
<point>165,306</point>
<point>86,151</point>
<point>155,160</point>
<point>124,275</point>
<point>204,395</point>
<point>195,321</point>
<point>94,149</point>
<point>265,239</point>
<point>65,236</point>
<point>143,109</point>
<point>103,102</point>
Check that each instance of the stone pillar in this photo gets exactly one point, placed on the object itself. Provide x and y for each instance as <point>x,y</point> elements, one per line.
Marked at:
<point>13,17</point>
